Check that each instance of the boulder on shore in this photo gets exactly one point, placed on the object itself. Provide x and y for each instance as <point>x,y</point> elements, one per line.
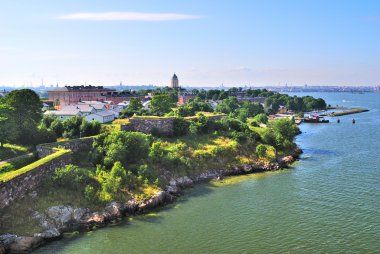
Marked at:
<point>49,234</point>
<point>61,215</point>
<point>25,244</point>
<point>115,209</point>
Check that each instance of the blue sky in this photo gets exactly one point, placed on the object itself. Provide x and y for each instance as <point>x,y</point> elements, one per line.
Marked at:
<point>206,42</point>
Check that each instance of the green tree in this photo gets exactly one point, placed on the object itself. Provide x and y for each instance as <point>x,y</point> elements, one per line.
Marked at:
<point>126,147</point>
<point>261,118</point>
<point>71,127</point>
<point>134,107</point>
<point>57,127</point>
<point>248,109</point>
<point>228,105</point>
<point>27,113</point>
<point>161,104</point>
<point>47,120</point>
<point>7,125</point>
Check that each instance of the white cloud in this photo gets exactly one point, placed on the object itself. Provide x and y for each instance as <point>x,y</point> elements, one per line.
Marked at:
<point>127,16</point>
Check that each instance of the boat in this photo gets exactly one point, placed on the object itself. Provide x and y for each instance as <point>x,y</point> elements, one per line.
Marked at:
<point>315,119</point>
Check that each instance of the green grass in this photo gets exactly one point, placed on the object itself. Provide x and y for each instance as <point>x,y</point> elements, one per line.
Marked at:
<point>9,151</point>
<point>17,163</point>
<point>12,174</point>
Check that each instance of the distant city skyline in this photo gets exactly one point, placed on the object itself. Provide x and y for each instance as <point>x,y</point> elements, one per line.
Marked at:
<point>206,43</point>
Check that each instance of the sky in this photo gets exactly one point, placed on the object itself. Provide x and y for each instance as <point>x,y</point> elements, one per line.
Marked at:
<point>205,42</point>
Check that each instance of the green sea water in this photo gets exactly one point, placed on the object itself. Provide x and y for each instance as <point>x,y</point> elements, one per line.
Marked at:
<point>328,202</point>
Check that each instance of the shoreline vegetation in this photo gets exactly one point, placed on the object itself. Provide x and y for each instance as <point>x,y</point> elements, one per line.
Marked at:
<point>128,172</point>
<point>61,219</point>
<point>346,111</point>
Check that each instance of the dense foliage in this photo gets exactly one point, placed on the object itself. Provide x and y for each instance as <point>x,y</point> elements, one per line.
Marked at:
<point>20,114</point>
<point>73,127</point>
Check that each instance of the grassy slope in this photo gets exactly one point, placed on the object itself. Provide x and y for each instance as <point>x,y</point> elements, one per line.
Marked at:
<point>10,151</point>
<point>12,174</point>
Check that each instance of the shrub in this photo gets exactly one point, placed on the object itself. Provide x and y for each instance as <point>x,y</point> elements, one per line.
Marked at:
<point>57,127</point>
<point>180,126</point>
<point>90,193</point>
<point>261,150</point>
<point>70,176</point>
<point>126,147</point>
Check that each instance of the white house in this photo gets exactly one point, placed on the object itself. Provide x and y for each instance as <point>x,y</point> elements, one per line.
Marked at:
<point>97,105</point>
<point>115,112</point>
<point>123,105</point>
<point>83,109</point>
<point>102,117</point>
<point>63,114</point>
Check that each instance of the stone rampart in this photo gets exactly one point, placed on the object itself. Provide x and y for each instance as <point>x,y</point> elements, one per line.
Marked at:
<point>74,145</point>
<point>19,186</point>
<point>161,125</point>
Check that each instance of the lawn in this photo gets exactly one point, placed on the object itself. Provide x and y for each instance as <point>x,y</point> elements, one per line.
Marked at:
<point>9,151</point>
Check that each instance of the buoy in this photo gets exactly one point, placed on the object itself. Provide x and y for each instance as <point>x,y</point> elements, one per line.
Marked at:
<point>353,120</point>
<point>338,121</point>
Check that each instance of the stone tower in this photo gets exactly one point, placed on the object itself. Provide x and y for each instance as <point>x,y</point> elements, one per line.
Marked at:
<point>175,81</point>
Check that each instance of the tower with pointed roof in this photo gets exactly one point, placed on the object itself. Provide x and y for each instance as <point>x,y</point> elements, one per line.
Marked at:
<point>175,81</point>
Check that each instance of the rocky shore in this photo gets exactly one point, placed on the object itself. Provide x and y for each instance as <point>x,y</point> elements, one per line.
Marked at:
<point>57,220</point>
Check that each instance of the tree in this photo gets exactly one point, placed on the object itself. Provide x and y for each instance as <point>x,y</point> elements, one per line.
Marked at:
<point>161,104</point>
<point>228,105</point>
<point>47,120</point>
<point>7,125</point>
<point>248,109</point>
<point>134,107</point>
<point>71,127</point>
<point>57,127</point>
<point>261,118</point>
<point>27,113</point>
<point>126,147</point>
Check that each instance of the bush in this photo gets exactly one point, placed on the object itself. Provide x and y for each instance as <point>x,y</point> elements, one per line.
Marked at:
<point>260,118</point>
<point>44,135</point>
<point>261,150</point>
<point>181,126</point>
<point>90,193</point>
<point>126,147</point>
<point>57,127</point>
<point>70,176</point>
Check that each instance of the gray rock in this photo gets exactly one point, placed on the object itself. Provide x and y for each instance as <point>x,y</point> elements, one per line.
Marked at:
<point>115,209</point>
<point>7,239</point>
<point>25,244</point>
<point>173,189</point>
<point>160,198</point>
<point>61,215</point>
<point>131,206</point>
<point>247,168</point>
<point>32,194</point>
<point>96,218</point>
<point>50,234</point>
<point>2,249</point>
<point>79,214</point>
<point>184,181</point>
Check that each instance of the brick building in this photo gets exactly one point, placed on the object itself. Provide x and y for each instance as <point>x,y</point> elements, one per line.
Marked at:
<point>70,95</point>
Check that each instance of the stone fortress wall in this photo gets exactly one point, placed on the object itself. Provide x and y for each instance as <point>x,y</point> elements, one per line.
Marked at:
<point>23,184</point>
